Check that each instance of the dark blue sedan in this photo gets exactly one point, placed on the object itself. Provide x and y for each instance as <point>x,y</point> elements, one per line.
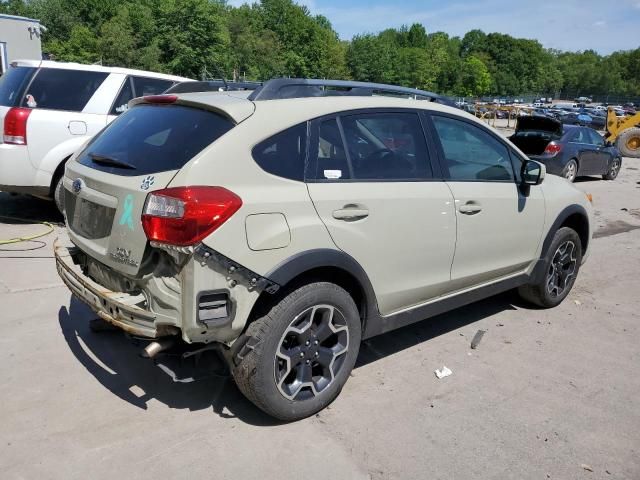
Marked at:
<point>570,151</point>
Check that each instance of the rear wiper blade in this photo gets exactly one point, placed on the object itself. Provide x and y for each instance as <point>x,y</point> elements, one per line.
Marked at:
<point>104,160</point>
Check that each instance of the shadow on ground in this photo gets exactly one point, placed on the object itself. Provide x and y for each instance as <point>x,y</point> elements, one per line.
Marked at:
<point>114,360</point>
<point>19,209</point>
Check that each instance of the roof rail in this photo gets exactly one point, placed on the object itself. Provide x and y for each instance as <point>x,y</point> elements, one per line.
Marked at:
<point>212,86</point>
<point>280,88</point>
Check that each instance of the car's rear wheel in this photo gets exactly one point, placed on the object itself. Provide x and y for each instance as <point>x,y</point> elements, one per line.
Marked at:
<point>58,195</point>
<point>561,265</point>
<point>302,352</point>
<point>614,169</point>
<point>570,171</point>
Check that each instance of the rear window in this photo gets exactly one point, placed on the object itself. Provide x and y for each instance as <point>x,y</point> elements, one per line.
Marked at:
<point>60,89</point>
<point>12,85</point>
<point>153,138</point>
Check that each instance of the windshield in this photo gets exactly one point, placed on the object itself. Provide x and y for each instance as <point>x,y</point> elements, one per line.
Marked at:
<point>12,85</point>
<point>153,138</point>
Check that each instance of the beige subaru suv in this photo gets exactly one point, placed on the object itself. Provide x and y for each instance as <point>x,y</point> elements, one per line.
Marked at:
<point>285,225</point>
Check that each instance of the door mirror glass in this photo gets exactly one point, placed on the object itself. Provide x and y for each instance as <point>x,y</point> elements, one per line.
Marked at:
<point>532,173</point>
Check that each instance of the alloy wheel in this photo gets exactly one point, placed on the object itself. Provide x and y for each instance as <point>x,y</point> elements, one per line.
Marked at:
<point>562,269</point>
<point>614,169</point>
<point>570,172</point>
<point>311,352</point>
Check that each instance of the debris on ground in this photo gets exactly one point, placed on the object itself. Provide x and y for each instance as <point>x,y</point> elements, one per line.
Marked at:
<point>577,302</point>
<point>476,338</point>
<point>444,372</point>
<point>587,467</point>
<point>499,324</point>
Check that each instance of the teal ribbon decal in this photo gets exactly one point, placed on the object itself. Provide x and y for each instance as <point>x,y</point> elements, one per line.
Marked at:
<point>127,211</point>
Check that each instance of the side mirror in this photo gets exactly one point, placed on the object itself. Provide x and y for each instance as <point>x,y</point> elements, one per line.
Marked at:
<point>532,173</point>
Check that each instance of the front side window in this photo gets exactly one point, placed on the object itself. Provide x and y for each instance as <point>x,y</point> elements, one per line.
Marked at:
<point>472,154</point>
<point>284,154</point>
<point>61,89</point>
<point>595,138</point>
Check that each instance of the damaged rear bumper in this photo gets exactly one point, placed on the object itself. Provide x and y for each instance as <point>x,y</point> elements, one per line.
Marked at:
<point>123,310</point>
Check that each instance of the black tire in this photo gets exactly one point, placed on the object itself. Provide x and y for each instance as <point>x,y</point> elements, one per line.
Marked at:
<point>614,169</point>
<point>629,142</point>
<point>570,170</point>
<point>58,195</point>
<point>257,370</point>
<point>541,293</point>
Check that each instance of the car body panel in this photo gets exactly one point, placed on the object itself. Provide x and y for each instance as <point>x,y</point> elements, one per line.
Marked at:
<point>485,248</point>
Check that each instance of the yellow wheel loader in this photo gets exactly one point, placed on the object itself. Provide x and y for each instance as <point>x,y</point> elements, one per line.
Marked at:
<point>624,133</point>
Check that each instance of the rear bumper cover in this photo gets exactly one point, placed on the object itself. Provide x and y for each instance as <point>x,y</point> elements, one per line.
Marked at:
<point>120,309</point>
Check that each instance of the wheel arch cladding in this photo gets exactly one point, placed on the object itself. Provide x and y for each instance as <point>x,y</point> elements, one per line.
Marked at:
<point>334,266</point>
<point>574,217</point>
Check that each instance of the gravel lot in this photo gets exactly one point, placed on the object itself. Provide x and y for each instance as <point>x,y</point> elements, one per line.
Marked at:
<point>547,393</point>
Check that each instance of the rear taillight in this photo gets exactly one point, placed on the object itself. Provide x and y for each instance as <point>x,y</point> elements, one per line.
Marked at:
<point>15,126</point>
<point>552,149</point>
<point>185,215</point>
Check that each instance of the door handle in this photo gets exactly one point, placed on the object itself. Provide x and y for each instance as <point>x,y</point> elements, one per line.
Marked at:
<point>350,214</point>
<point>470,208</point>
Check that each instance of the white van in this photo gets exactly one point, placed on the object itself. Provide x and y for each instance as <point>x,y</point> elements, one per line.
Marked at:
<point>49,109</point>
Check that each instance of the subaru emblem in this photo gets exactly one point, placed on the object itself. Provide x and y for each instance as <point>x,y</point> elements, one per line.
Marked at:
<point>77,185</point>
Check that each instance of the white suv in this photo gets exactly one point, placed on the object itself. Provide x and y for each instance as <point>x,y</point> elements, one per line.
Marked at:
<point>284,227</point>
<point>49,109</point>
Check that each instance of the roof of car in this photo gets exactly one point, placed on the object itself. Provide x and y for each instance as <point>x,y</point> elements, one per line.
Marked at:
<point>295,110</point>
<point>96,68</point>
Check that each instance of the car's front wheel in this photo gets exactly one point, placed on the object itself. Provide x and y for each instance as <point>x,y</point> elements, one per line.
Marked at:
<point>302,352</point>
<point>614,169</point>
<point>561,265</point>
<point>570,171</point>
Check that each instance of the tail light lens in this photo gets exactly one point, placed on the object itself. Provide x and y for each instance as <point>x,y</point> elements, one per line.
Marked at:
<point>552,149</point>
<point>15,126</point>
<point>183,216</point>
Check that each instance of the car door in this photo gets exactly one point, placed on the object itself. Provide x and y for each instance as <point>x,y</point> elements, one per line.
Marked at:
<point>602,155</point>
<point>498,227</point>
<point>588,158</point>
<point>373,183</point>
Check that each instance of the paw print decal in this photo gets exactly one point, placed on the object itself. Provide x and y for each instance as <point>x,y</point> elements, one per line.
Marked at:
<point>147,182</point>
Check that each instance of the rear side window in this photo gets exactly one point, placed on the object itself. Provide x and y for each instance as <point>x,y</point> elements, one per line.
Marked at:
<point>150,86</point>
<point>153,138</point>
<point>472,154</point>
<point>386,146</point>
<point>12,85</point>
<point>137,87</point>
<point>372,146</point>
<point>60,89</point>
<point>284,154</point>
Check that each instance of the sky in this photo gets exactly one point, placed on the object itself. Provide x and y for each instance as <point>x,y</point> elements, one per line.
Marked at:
<point>600,25</point>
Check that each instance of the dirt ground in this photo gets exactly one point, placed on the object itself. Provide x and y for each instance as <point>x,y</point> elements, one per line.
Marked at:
<point>547,393</point>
